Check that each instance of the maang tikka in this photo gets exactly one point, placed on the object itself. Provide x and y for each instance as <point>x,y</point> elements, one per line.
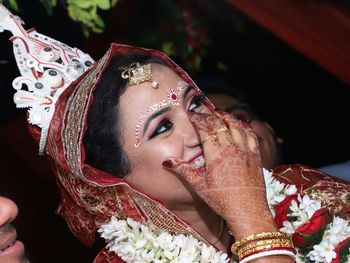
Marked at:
<point>137,73</point>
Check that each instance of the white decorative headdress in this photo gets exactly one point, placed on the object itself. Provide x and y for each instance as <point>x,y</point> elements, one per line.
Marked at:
<point>47,68</point>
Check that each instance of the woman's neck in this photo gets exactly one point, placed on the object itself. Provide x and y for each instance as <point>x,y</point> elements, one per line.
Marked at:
<point>206,222</point>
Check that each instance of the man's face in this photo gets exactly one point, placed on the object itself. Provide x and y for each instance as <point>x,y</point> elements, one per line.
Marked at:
<point>11,249</point>
<point>269,143</point>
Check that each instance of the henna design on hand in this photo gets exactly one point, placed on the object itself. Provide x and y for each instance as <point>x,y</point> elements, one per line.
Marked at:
<point>233,186</point>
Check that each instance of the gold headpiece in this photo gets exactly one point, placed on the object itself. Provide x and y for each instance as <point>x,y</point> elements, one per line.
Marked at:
<point>138,74</point>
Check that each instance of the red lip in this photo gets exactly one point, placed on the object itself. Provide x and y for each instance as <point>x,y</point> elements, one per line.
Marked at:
<point>196,156</point>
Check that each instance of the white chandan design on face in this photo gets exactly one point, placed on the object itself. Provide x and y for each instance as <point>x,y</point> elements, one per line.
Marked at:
<point>174,98</point>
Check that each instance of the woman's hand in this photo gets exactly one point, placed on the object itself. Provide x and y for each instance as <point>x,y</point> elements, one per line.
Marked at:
<point>233,184</point>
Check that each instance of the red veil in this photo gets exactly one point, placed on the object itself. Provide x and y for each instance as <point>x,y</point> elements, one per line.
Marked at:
<point>91,196</point>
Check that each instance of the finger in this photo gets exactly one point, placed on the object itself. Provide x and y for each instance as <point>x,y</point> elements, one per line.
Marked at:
<point>252,140</point>
<point>219,113</point>
<point>185,170</point>
<point>237,131</point>
<point>213,134</point>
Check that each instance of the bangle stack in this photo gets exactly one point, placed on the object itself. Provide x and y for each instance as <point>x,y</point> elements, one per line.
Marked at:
<point>263,244</point>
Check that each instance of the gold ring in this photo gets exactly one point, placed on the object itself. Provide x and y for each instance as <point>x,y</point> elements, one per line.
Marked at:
<point>214,136</point>
<point>223,129</point>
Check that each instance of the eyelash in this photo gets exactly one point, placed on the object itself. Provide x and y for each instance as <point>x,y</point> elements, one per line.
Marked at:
<point>161,124</point>
<point>168,124</point>
<point>197,99</point>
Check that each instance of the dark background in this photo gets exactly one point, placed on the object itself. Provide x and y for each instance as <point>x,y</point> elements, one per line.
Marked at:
<point>307,106</point>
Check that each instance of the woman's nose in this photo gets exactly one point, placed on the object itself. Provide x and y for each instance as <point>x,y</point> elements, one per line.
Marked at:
<point>8,211</point>
<point>191,138</point>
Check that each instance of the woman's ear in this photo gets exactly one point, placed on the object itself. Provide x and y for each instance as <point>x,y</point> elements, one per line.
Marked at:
<point>278,139</point>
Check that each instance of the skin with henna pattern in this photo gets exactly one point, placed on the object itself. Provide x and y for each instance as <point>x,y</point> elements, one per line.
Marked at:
<point>233,185</point>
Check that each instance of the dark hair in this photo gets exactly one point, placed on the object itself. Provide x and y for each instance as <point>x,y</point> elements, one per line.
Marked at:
<point>103,137</point>
<point>217,84</point>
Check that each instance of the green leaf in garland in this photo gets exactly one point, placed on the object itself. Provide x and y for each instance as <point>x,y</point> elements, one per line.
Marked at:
<point>315,238</point>
<point>344,252</point>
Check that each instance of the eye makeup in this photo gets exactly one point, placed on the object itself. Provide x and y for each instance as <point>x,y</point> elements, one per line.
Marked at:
<point>174,97</point>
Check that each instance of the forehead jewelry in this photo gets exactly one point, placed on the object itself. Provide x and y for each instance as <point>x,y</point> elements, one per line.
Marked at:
<point>137,73</point>
<point>173,98</point>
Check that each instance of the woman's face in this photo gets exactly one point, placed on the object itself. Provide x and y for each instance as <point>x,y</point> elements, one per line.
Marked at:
<point>155,128</point>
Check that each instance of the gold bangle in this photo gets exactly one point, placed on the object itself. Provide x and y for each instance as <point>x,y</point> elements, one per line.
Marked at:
<point>285,244</point>
<point>255,237</point>
<point>264,242</point>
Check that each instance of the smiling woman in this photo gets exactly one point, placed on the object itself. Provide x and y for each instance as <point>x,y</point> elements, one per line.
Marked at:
<point>142,156</point>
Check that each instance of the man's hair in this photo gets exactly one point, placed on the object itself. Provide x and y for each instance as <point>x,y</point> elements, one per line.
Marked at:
<point>215,84</point>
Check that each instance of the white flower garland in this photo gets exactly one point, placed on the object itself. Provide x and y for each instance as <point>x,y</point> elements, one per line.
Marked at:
<point>135,242</point>
<point>336,231</point>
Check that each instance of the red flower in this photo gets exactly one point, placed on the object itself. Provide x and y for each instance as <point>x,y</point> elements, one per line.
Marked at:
<point>342,250</point>
<point>311,232</point>
<point>282,209</point>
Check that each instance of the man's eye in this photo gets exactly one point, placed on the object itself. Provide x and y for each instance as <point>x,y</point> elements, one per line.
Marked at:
<point>196,102</point>
<point>164,126</point>
<point>242,115</point>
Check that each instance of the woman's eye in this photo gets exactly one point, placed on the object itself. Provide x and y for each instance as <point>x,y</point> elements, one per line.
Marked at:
<point>164,126</point>
<point>196,102</point>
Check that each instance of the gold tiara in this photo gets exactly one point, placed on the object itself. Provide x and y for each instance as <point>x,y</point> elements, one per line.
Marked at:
<point>137,73</point>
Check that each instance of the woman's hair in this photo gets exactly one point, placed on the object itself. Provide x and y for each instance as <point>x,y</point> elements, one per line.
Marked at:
<point>103,138</point>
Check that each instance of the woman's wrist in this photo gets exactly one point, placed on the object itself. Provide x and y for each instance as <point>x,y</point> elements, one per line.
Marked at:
<point>246,227</point>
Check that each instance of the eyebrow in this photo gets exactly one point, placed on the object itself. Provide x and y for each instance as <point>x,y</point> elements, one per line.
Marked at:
<point>153,116</point>
<point>160,112</point>
<point>187,90</point>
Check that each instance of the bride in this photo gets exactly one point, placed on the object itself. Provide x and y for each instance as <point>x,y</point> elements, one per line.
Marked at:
<point>144,159</point>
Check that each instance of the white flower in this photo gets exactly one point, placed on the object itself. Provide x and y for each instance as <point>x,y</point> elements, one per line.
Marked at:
<point>288,228</point>
<point>309,205</point>
<point>301,213</point>
<point>336,232</point>
<point>322,252</point>
<point>276,191</point>
<point>290,190</point>
<point>134,242</point>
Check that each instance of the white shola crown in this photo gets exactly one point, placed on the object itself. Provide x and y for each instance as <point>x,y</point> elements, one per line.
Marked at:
<point>47,68</point>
